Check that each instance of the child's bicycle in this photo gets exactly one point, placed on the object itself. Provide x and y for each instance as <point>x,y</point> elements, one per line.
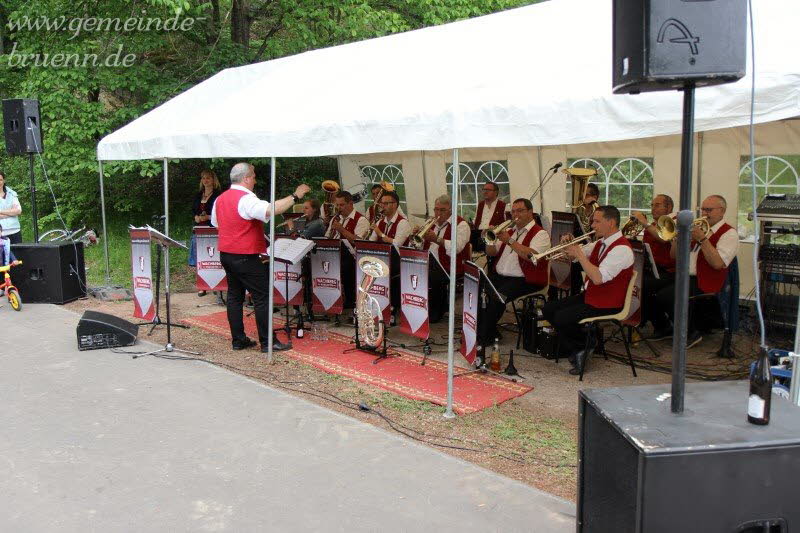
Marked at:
<point>11,291</point>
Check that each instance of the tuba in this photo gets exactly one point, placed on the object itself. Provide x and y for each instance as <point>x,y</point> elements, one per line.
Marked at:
<point>580,180</point>
<point>330,188</point>
<point>418,239</point>
<point>368,310</point>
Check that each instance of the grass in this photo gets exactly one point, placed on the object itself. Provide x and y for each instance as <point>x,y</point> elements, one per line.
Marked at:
<point>546,435</point>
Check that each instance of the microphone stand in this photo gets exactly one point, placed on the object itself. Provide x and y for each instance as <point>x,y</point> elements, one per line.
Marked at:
<point>547,178</point>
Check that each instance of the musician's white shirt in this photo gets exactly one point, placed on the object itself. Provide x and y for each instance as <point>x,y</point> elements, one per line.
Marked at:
<point>488,212</point>
<point>402,233</point>
<point>508,264</point>
<point>249,207</point>
<point>615,261</point>
<point>361,229</point>
<point>727,246</point>
<point>462,237</point>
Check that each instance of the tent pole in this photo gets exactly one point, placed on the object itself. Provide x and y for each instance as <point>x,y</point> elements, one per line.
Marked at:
<point>453,253</point>
<point>166,249</point>
<point>103,214</point>
<point>541,187</point>
<point>425,185</point>
<point>699,166</point>
<point>270,307</point>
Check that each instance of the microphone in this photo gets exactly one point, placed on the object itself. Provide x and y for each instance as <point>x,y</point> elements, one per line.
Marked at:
<point>556,166</point>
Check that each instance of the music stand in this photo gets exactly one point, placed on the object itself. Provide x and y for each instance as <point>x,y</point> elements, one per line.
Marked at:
<point>289,252</point>
<point>162,241</point>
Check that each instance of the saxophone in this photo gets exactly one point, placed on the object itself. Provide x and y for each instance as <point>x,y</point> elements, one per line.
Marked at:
<point>368,310</point>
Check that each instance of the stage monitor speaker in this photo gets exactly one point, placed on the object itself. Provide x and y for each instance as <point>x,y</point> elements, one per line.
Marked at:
<point>22,127</point>
<point>49,273</point>
<point>642,468</point>
<point>661,45</point>
<point>99,330</point>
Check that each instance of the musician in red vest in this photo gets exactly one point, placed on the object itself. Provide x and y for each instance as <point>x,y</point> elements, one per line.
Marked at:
<point>708,262</point>
<point>608,264</point>
<point>393,228</point>
<point>438,240</point>
<point>491,212</point>
<point>351,225</point>
<point>661,205</point>
<point>240,217</point>
<point>513,274</point>
<point>373,212</point>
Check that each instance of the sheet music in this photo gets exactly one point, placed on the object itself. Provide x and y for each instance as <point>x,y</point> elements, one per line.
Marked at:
<point>291,250</point>
<point>159,237</point>
<point>649,254</point>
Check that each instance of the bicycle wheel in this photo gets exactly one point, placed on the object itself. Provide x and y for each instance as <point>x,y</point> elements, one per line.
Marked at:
<point>53,235</point>
<point>14,299</point>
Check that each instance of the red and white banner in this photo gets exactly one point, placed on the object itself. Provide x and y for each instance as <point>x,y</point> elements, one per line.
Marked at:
<point>414,318</point>
<point>326,277</point>
<point>143,303</point>
<point>469,312</point>
<point>635,315</point>
<point>210,274</point>
<point>380,287</point>
<point>293,273</point>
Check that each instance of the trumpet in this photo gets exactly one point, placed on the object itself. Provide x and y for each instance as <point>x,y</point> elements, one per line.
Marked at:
<point>667,230</point>
<point>418,239</point>
<point>490,235</point>
<point>557,252</point>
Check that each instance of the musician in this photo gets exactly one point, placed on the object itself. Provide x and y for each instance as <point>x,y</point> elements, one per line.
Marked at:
<point>438,240</point>
<point>662,205</point>
<point>591,195</point>
<point>240,217</point>
<point>349,224</point>
<point>608,264</point>
<point>708,262</point>
<point>393,227</point>
<point>492,211</point>
<point>313,225</point>
<point>514,274</point>
<point>376,191</point>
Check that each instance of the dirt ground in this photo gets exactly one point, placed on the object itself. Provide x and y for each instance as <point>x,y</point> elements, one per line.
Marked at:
<point>532,438</point>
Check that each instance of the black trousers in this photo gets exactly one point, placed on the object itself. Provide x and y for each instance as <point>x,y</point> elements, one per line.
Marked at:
<point>510,288</point>
<point>247,272</point>
<point>651,310</point>
<point>564,316</point>
<point>665,300</point>
<point>15,238</point>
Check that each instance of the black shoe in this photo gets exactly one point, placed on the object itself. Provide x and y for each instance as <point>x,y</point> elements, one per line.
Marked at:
<point>277,346</point>
<point>575,371</point>
<point>201,293</point>
<point>577,360</point>
<point>661,334</point>
<point>693,339</point>
<point>480,360</point>
<point>243,345</point>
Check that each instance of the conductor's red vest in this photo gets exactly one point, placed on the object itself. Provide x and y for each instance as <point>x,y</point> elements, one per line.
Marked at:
<point>237,235</point>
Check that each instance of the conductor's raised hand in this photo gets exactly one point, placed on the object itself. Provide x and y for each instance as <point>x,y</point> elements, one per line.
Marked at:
<point>302,190</point>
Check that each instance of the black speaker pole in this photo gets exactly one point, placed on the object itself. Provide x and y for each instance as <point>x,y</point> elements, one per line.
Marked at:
<point>33,201</point>
<point>685,219</point>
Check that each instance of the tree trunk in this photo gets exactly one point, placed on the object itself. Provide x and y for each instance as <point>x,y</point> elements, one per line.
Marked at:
<point>240,22</point>
<point>214,23</point>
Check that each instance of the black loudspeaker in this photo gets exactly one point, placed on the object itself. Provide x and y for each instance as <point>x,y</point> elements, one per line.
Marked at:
<point>99,330</point>
<point>662,44</point>
<point>22,127</point>
<point>49,273</point>
<point>643,469</point>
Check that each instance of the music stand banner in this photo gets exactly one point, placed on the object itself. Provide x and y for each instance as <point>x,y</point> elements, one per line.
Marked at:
<point>326,277</point>
<point>469,312</point>
<point>561,269</point>
<point>210,274</point>
<point>141,271</point>
<point>380,287</point>
<point>635,315</point>
<point>294,287</point>
<point>414,271</point>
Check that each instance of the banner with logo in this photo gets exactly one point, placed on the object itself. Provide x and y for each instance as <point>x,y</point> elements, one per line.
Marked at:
<point>143,303</point>
<point>293,290</point>
<point>414,292</point>
<point>210,274</point>
<point>326,277</point>
<point>380,287</point>
<point>635,315</point>
<point>469,312</point>
<point>561,269</point>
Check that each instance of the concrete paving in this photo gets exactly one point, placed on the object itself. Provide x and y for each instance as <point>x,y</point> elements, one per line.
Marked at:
<point>96,441</point>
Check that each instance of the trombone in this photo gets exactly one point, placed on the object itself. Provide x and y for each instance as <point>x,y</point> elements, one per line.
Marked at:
<point>490,235</point>
<point>557,252</point>
<point>667,230</point>
<point>418,239</point>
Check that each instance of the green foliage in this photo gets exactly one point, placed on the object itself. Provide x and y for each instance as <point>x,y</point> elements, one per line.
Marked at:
<point>93,74</point>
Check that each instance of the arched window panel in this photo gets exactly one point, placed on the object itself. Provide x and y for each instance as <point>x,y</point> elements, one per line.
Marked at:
<point>473,176</point>
<point>626,183</point>
<point>774,174</point>
<point>392,173</point>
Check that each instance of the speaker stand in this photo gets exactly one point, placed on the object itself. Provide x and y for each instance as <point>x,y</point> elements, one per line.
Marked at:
<point>157,318</point>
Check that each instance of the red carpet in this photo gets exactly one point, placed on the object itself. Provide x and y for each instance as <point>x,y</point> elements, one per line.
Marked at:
<point>402,375</point>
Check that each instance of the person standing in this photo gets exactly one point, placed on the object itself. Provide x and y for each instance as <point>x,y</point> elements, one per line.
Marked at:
<point>9,212</point>
<point>208,191</point>
<point>240,217</point>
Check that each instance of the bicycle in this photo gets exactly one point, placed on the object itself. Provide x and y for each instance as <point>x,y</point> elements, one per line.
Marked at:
<point>87,237</point>
<point>11,291</point>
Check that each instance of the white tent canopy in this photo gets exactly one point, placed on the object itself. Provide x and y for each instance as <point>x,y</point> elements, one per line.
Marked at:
<point>534,76</point>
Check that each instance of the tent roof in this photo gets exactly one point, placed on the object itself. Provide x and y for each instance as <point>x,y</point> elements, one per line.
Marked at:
<point>536,75</point>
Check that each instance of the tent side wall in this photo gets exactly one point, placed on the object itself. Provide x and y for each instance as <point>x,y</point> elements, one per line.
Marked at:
<point>718,171</point>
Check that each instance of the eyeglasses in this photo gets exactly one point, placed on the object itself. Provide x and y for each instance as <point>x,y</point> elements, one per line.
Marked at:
<point>708,209</point>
